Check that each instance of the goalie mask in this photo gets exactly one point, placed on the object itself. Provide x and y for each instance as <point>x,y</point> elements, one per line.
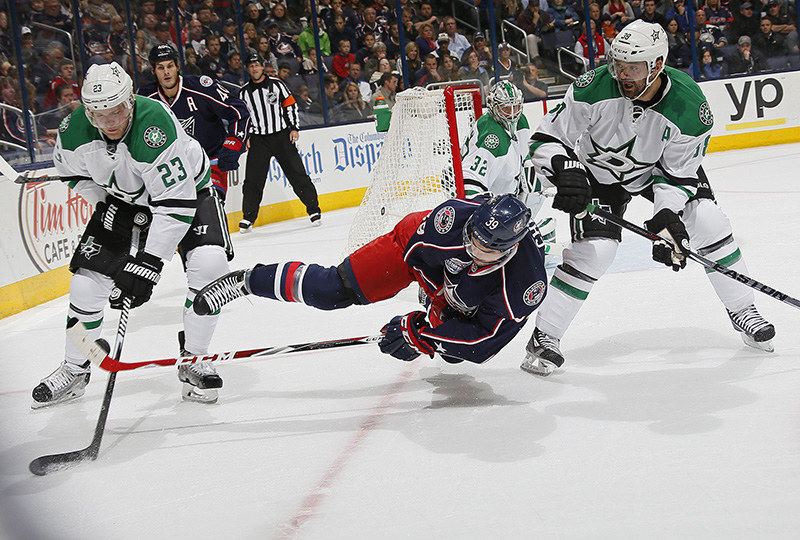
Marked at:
<point>493,231</point>
<point>107,96</point>
<point>505,104</point>
<point>634,55</point>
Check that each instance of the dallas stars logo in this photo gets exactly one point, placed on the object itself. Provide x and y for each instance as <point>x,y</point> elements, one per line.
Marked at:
<point>656,35</point>
<point>155,137</point>
<point>618,161</point>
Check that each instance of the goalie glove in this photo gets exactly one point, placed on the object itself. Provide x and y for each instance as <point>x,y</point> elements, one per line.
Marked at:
<point>572,185</point>
<point>228,157</point>
<point>668,225</point>
<point>136,279</point>
<point>402,339</point>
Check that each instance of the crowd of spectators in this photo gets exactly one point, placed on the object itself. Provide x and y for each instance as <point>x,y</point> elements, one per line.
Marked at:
<point>361,47</point>
<point>731,36</point>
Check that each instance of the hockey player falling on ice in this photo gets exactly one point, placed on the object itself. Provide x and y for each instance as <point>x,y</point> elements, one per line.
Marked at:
<point>478,261</point>
<point>203,107</point>
<point>634,127</point>
<point>495,150</point>
<point>136,158</point>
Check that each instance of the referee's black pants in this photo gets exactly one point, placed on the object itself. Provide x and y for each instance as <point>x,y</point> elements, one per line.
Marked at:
<point>262,149</point>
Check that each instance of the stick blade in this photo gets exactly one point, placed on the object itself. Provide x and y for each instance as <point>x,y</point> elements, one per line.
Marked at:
<point>96,351</point>
<point>44,465</point>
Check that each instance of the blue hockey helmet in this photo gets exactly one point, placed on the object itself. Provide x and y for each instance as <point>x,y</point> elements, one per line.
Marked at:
<point>498,224</point>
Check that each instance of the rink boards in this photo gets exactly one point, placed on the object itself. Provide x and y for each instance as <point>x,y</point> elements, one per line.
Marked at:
<point>41,224</point>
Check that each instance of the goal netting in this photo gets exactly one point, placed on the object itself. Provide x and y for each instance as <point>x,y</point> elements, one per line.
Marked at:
<point>419,164</point>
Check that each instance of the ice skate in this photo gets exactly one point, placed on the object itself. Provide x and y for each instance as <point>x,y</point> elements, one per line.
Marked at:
<point>221,291</point>
<point>200,379</point>
<point>543,355</point>
<point>316,219</point>
<point>66,383</point>
<point>245,226</point>
<point>756,331</point>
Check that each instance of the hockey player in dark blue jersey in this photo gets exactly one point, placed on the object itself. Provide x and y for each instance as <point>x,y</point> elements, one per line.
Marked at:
<point>479,261</point>
<point>208,112</point>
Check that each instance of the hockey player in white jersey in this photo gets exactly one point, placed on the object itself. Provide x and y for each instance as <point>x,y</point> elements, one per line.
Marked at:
<point>495,151</point>
<point>633,127</point>
<point>137,161</point>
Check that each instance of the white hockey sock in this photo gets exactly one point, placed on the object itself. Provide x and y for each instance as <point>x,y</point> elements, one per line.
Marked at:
<point>733,294</point>
<point>204,264</point>
<point>88,294</point>
<point>564,299</point>
<point>583,263</point>
<point>198,329</point>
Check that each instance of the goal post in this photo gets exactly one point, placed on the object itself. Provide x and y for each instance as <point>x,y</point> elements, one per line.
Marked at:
<point>420,161</point>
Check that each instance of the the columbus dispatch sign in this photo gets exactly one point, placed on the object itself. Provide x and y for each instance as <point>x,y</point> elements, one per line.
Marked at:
<point>52,218</point>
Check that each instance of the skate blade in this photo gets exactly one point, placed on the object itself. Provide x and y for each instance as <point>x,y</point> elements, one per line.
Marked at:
<point>189,392</point>
<point>72,396</point>
<point>537,366</point>
<point>760,345</point>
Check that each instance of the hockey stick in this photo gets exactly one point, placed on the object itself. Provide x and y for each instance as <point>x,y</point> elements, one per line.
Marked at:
<point>55,462</point>
<point>98,354</point>
<point>9,172</point>
<point>708,263</point>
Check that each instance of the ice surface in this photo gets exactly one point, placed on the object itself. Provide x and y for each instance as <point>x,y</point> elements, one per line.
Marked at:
<point>663,423</point>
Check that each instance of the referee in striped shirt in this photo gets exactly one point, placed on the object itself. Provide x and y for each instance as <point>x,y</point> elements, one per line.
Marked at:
<point>273,132</point>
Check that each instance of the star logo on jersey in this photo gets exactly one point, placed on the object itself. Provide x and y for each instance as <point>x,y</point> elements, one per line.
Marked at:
<point>188,125</point>
<point>89,249</point>
<point>155,137</point>
<point>440,348</point>
<point>585,79</point>
<point>618,161</point>
<point>491,141</point>
<point>62,127</point>
<point>706,117</point>
<point>656,35</point>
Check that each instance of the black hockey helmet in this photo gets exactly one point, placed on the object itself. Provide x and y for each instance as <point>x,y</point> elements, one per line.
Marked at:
<point>253,58</point>
<point>499,223</point>
<point>159,53</point>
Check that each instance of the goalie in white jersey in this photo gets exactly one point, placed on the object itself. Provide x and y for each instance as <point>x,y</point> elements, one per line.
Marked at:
<point>495,151</point>
<point>634,127</point>
<point>138,168</point>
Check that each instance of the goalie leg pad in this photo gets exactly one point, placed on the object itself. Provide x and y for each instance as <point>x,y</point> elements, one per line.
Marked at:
<point>584,263</point>
<point>204,264</point>
<point>710,233</point>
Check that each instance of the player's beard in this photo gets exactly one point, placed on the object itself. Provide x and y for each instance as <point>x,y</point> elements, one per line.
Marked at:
<point>633,89</point>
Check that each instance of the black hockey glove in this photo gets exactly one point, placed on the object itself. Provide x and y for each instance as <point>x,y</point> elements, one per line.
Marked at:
<point>119,216</point>
<point>668,225</point>
<point>228,157</point>
<point>136,280</point>
<point>401,337</point>
<point>572,184</point>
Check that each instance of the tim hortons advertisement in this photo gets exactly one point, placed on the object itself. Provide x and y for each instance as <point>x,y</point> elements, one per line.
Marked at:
<point>52,218</point>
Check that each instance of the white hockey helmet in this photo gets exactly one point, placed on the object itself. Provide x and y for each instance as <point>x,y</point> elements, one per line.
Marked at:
<point>640,41</point>
<point>105,87</point>
<point>505,104</point>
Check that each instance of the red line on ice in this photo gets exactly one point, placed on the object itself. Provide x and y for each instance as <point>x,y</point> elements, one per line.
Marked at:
<point>314,499</point>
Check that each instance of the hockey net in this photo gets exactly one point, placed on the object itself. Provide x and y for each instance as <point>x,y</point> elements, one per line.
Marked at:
<point>419,165</point>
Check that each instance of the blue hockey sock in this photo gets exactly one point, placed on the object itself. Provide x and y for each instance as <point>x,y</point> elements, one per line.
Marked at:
<point>310,284</point>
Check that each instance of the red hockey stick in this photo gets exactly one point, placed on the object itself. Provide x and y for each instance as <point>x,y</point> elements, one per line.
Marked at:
<point>97,352</point>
